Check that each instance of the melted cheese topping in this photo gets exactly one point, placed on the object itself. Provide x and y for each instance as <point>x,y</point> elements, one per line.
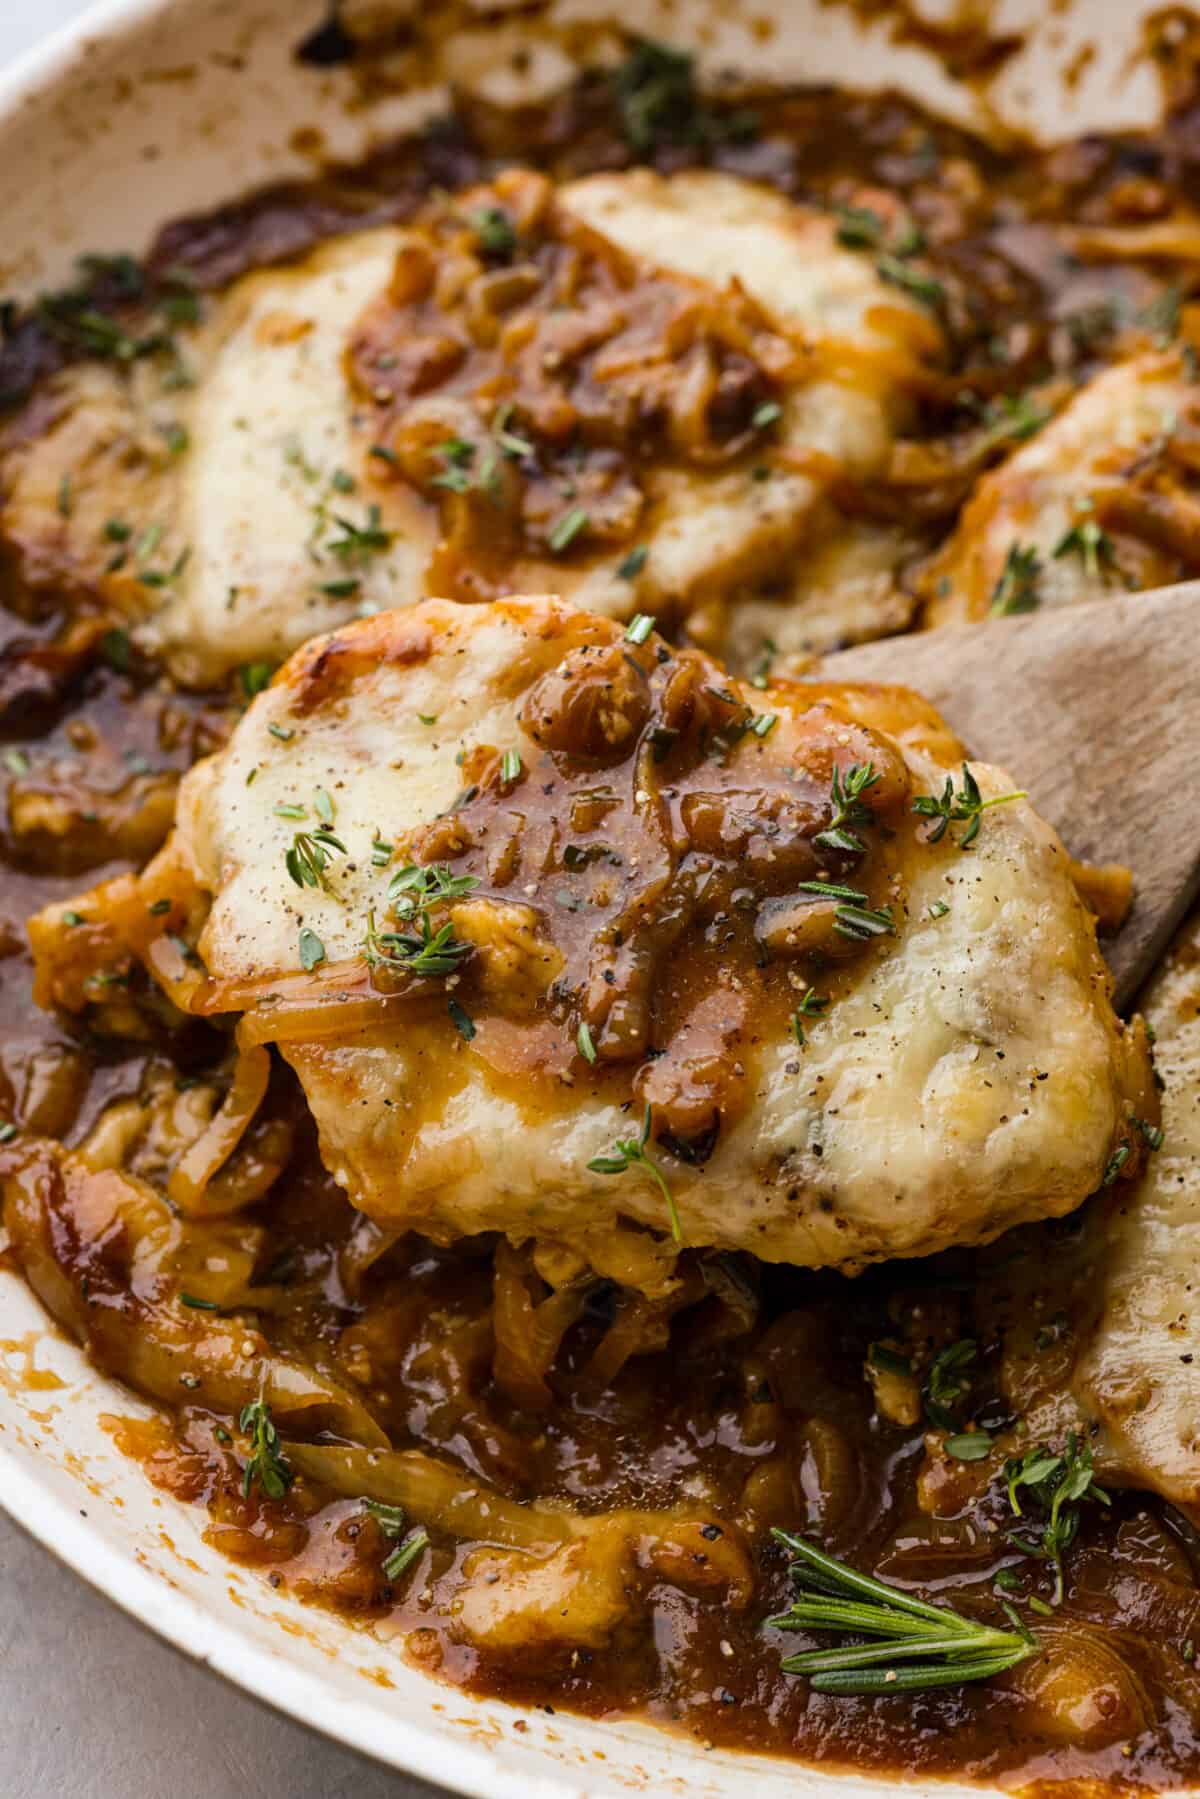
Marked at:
<point>1104,463</point>
<point>228,493</point>
<point>967,1072</point>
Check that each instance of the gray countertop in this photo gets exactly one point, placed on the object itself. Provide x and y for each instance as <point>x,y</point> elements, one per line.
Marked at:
<point>94,1707</point>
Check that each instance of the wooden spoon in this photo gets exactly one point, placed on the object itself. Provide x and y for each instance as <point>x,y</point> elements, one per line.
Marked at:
<point>1095,711</point>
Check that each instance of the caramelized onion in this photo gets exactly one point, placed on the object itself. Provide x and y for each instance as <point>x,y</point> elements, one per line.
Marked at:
<point>189,1186</point>
<point>434,1493</point>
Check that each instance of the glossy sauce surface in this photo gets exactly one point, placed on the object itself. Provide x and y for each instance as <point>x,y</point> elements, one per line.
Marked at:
<point>746,1389</point>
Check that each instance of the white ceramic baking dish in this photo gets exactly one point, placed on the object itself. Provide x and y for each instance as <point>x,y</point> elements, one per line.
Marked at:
<point>149,108</point>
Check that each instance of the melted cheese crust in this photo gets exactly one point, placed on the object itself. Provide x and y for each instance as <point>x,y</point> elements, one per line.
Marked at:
<point>1079,469</point>
<point>968,1074</point>
<point>226,556</point>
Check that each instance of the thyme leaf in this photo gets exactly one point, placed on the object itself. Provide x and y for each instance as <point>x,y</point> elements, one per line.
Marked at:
<point>631,1152</point>
<point>965,806</point>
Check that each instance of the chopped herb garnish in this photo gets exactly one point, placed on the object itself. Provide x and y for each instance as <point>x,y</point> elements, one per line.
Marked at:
<point>66,496</point>
<point>936,909</point>
<point>657,103</point>
<point>432,953</point>
<point>420,885</point>
<point>323,806</point>
<point>760,675</point>
<point>463,1023</point>
<point>845,796</point>
<point>266,1463</point>
<point>639,627</point>
<point>1114,1165</point>
<point>1016,590</point>
<point>811,1005</point>
<point>631,1152</point>
<point>966,806</point>
<point>1012,418</point>
<point>1151,1132</point>
<point>7,1132</point>
<point>117,531</point>
<point>858,228</point>
<point>159,908</point>
<point>72,919</point>
<point>949,1381</point>
<point>494,229</point>
<point>889,1360</point>
<point>863,923</point>
<point>510,767</point>
<point>584,1042</point>
<point>969,1446</point>
<point>381,453</point>
<point>310,854</point>
<point>510,443</point>
<point>831,890</point>
<point>254,677</point>
<point>1090,542</point>
<point>631,566</point>
<point>404,1557</point>
<point>898,273</point>
<point>312,950</point>
<point>917,1646</point>
<point>567,529</point>
<point>282,732</point>
<point>16,762</point>
<point>1058,1483</point>
<point>359,541</point>
<point>763,723</point>
<point>117,650</point>
<point>198,1305</point>
<point>769,413</point>
<point>341,589</point>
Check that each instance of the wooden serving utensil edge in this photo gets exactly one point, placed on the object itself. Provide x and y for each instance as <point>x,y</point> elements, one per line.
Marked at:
<point>1095,711</point>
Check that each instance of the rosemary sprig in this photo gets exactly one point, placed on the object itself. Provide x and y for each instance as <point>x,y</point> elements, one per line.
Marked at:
<point>266,1463</point>
<point>845,794</point>
<point>630,1152</point>
<point>919,1646</point>
<point>964,807</point>
<point>393,1524</point>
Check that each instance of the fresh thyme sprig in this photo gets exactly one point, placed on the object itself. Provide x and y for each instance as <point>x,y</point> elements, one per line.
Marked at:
<point>949,1381</point>
<point>964,807</point>
<point>310,854</point>
<point>432,953</point>
<point>1017,589</point>
<point>267,1463</point>
<point>920,1646</point>
<point>418,886</point>
<point>849,810</point>
<point>1058,1482</point>
<point>1091,543</point>
<point>630,1152</point>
